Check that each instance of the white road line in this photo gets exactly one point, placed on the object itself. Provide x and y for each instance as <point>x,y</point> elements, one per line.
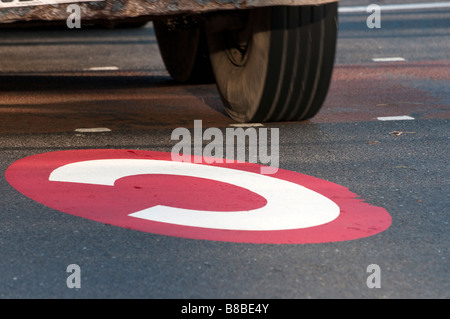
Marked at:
<point>102,68</point>
<point>30,3</point>
<point>389,59</point>
<point>398,7</point>
<point>93,130</point>
<point>246,124</point>
<point>395,118</point>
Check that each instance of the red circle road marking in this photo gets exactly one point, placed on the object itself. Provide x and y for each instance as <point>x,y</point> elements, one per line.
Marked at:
<point>192,195</point>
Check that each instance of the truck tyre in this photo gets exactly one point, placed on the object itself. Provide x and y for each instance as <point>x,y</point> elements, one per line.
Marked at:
<point>279,66</point>
<point>184,51</point>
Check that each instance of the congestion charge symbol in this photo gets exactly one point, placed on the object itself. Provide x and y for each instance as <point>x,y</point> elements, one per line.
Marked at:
<point>277,214</point>
<point>105,185</point>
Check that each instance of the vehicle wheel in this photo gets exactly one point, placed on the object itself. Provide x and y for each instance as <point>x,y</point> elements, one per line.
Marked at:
<point>184,51</point>
<point>278,67</point>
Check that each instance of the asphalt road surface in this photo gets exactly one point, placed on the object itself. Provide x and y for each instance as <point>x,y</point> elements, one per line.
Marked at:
<point>55,81</point>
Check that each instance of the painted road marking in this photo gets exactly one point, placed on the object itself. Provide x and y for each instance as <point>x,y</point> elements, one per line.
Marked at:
<point>93,130</point>
<point>281,211</point>
<point>395,118</point>
<point>102,68</point>
<point>397,7</point>
<point>148,191</point>
<point>389,59</point>
<point>30,3</point>
<point>246,124</point>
